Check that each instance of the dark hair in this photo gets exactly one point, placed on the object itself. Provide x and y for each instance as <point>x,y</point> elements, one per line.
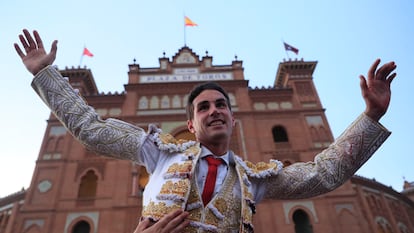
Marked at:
<point>200,88</point>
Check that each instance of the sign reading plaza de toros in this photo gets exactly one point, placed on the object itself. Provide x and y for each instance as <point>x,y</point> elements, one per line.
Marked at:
<point>186,75</point>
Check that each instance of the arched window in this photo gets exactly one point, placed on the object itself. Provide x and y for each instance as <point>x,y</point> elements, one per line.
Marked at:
<point>302,223</point>
<point>165,102</point>
<point>82,227</point>
<point>176,102</point>
<point>279,134</point>
<point>143,103</point>
<point>88,184</point>
<point>154,102</point>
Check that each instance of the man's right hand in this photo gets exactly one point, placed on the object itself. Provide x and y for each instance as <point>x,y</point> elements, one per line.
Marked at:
<point>35,58</point>
<point>173,222</point>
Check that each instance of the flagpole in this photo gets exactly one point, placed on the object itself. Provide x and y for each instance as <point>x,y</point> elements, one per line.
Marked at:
<point>185,34</point>
<point>80,62</point>
<point>185,41</point>
<point>285,49</point>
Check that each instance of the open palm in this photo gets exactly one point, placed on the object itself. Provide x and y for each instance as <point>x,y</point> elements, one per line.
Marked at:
<point>35,57</point>
<point>376,89</point>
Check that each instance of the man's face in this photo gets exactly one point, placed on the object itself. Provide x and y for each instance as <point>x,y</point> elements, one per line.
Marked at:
<point>212,119</point>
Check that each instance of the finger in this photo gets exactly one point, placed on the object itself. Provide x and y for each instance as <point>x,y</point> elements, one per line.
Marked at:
<point>29,39</point>
<point>142,225</point>
<point>19,51</point>
<point>53,48</point>
<point>180,227</point>
<point>167,218</point>
<point>385,70</point>
<point>178,219</point>
<point>38,39</point>
<point>363,84</point>
<point>178,223</point>
<point>373,68</point>
<point>391,77</point>
<point>24,43</point>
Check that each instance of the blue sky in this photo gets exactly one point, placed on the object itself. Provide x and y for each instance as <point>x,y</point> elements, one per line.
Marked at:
<point>345,37</point>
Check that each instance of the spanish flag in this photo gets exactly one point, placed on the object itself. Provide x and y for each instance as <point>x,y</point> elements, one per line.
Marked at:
<point>189,22</point>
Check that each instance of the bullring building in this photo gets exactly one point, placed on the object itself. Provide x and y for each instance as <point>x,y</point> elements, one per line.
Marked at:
<point>76,191</point>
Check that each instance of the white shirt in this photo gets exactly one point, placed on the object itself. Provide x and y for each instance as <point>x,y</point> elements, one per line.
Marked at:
<point>202,170</point>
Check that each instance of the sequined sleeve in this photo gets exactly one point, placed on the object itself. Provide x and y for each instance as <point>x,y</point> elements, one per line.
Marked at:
<point>330,168</point>
<point>110,137</point>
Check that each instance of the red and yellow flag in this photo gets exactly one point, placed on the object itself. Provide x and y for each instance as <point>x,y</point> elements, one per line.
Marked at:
<point>189,22</point>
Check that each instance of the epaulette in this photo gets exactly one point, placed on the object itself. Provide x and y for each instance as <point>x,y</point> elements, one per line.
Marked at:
<point>261,169</point>
<point>166,142</point>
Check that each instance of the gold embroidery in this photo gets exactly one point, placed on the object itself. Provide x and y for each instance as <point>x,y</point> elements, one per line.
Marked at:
<point>181,168</point>
<point>168,138</point>
<point>221,205</point>
<point>179,188</point>
<point>195,214</point>
<point>157,211</point>
<point>260,166</point>
<point>193,197</point>
<point>211,218</point>
<point>191,229</point>
<point>193,150</point>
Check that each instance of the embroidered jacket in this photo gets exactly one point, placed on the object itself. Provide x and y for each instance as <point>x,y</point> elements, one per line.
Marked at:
<point>172,184</point>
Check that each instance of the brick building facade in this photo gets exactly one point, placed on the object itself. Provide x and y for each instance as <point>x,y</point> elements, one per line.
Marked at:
<point>76,191</point>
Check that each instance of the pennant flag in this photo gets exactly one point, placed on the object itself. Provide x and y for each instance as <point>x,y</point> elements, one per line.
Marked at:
<point>86,52</point>
<point>189,22</point>
<point>291,48</point>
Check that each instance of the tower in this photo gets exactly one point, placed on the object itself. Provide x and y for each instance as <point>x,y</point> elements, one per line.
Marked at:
<point>74,190</point>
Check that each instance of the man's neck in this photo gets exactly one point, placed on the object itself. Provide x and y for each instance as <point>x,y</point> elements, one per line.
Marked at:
<point>217,150</point>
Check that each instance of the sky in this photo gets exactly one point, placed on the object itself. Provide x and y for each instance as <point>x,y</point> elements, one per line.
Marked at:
<point>344,37</point>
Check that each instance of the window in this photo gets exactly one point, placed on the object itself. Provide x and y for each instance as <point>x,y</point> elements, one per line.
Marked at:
<point>81,227</point>
<point>88,184</point>
<point>165,102</point>
<point>154,103</point>
<point>143,103</point>
<point>302,223</point>
<point>279,134</point>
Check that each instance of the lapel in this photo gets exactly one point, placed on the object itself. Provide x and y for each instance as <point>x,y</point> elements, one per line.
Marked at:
<point>248,207</point>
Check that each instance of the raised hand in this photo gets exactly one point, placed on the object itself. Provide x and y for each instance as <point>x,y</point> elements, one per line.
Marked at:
<point>376,89</point>
<point>35,57</point>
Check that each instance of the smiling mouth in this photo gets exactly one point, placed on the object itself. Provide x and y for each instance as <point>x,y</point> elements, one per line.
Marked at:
<point>216,123</point>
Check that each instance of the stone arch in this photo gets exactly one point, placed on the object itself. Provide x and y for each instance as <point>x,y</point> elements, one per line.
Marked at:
<point>79,221</point>
<point>88,184</point>
<point>306,206</point>
<point>302,221</point>
<point>383,226</point>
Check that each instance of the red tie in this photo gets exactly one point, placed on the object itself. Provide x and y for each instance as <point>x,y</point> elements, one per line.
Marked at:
<point>211,178</point>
